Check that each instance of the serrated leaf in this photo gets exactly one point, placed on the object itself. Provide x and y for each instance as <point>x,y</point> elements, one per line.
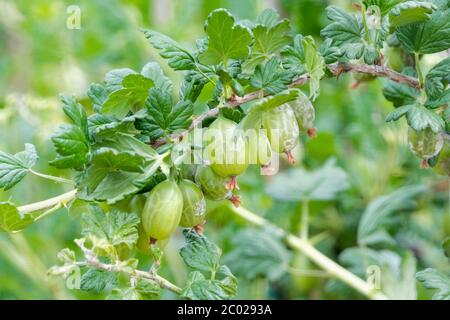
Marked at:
<point>76,113</point>
<point>384,5</point>
<point>66,256</point>
<point>257,253</point>
<point>437,79</point>
<point>377,213</point>
<point>102,127</point>
<point>419,118</point>
<point>153,71</point>
<point>114,78</point>
<point>321,184</point>
<point>329,52</point>
<point>200,288</point>
<point>146,289</point>
<point>178,57</point>
<point>95,280</point>
<point>11,220</point>
<point>254,116</point>
<point>98,95</point>
<point>270,36</point>
<point>199,253</point>
<point>72,147</point>
<point>410,12</point>
<point>398,113</point>
<point>270,77</point>
<point>111,175</point>
<point>114,227</point>
<point>345,31</point>
<point>399,94</point>
<point>435,280</point>
<point>13,168</point>
<point>226,40</point>
<point>72,141</point>
<point>131,96</point>
<point>427,37</point>
<point>162,117</point>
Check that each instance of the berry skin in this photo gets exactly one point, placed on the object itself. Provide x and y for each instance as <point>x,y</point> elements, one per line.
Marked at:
<point>442,166</point>
<point>305,114</point>
<point>194,204</point>
<point>282,129</point>
<point>226,148</point>
<point>425,144</point>
<point>212,184</point>
<point>259,150</point>
<point>162,211</point>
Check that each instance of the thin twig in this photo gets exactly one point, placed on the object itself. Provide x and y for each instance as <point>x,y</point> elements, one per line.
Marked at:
<point>335,68</point>
<point>93,261</point>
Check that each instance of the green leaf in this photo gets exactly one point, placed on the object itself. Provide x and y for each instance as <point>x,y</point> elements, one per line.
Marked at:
<point>257,253</point>
<point>315,66</point>
<point>114,227</point>
<point>132,94</point>
<point>437,79</point>
<point>102,127</point>
<point>72,147</point>
<point>270,77</point>
<point>270,36</point>
<point>98,95</point>
<point>384,5</point>
<point>95,280</point>
<point>153,71</point>
<point>200,288</point>
<point>321,184</point>
<point>114,78</point>
<point>72,141</point>
<point>114,172</point>
<point>162,118</point>
<point>111,175</point>
<point>254,115</point>
<point>398,113</point>
<point>399,94</point>
<point>226,40</point>
<point>419,118</point>
<point>376,216</point>
<point>435,280</point>
<point>147,290</point>
<point>329,52</point>
<point>13,168</point>
<point>427,37</point>
<point>76,113</point>
<point>11,220</point>
<point>410,12</point>
<point>199,253</point>
<point>345,31</point>
<point>178,57</point>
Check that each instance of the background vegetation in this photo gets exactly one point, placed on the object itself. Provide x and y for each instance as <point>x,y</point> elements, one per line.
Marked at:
<point>40,57</point>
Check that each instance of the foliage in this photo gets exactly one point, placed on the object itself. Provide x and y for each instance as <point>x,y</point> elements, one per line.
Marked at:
<point>124,137</point>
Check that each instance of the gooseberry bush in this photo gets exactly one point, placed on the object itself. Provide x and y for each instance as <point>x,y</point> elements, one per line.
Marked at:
<point>146,160</point>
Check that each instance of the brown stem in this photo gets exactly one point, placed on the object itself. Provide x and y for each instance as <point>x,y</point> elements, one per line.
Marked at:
<point>335,68</point>
<point>379,71</point>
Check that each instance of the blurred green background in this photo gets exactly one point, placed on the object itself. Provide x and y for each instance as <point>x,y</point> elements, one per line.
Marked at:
<point>40,58</point>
